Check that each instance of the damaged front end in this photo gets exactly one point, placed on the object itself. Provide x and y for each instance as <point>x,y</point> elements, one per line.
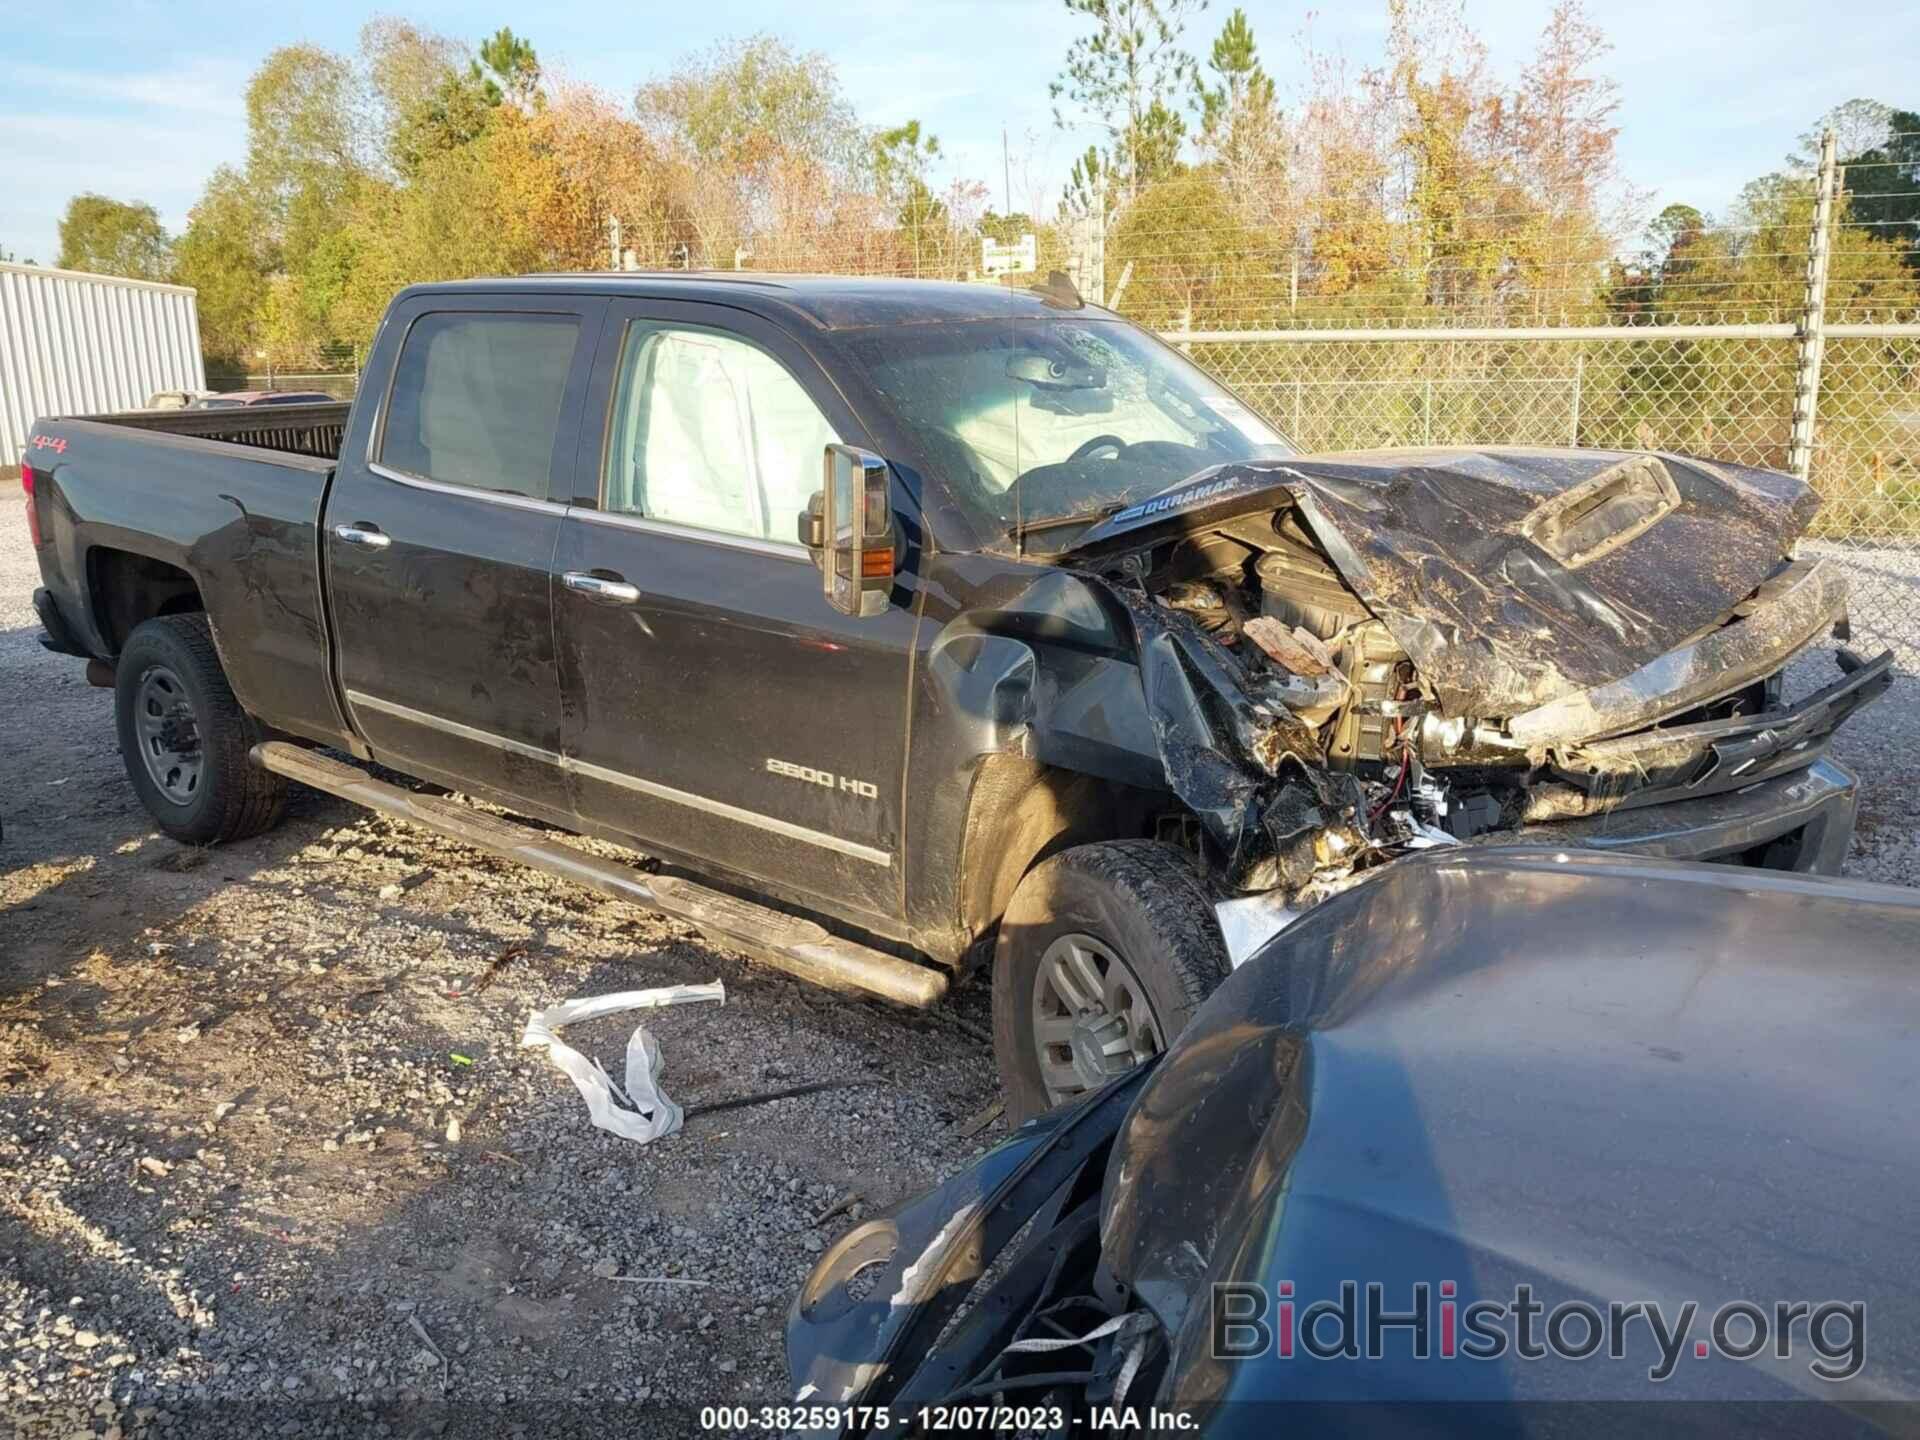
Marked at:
<point>1350,658</point>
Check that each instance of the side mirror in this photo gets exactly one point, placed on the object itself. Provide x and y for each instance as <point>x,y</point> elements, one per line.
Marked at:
<point>848,525</point>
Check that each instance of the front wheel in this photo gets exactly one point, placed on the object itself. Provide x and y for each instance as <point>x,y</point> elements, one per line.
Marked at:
<point>1104,954</point>
<point>185,739</point>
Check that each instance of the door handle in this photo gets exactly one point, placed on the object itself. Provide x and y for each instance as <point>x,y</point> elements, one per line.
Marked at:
<point>594,587</point>
<point>365,536</point>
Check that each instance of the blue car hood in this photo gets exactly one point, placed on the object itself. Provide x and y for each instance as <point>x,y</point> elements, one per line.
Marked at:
<point>1608,1078</point>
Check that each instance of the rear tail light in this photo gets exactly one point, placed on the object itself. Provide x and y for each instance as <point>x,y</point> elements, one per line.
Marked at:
<point>27,477</point>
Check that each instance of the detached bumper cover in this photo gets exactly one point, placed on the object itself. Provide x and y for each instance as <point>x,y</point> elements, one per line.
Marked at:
<point>919,1263</point>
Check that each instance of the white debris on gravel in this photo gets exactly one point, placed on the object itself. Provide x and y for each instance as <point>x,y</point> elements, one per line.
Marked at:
<point>308,1198</point>
<point>644,1114</point>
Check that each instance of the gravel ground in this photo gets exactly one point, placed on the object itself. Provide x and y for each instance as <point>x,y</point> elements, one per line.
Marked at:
<point>240,1159</point>
<point>227,1096</point>
<point>1881,743</point>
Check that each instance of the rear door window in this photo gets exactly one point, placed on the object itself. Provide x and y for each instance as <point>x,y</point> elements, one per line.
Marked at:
<point>476,400</point>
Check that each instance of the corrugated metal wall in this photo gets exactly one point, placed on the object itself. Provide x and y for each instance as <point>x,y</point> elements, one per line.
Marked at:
<point>75,344</point>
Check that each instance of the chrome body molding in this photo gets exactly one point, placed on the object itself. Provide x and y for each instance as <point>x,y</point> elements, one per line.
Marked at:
<point>359,699</point>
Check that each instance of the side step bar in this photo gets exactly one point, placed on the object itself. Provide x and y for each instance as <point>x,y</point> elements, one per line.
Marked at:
<point>786,942</point>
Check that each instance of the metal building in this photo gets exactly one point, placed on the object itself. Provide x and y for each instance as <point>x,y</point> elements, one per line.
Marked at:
<point>73,343</point>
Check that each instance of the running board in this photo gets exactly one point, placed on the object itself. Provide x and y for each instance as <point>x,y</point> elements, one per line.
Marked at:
<point>787,942</point>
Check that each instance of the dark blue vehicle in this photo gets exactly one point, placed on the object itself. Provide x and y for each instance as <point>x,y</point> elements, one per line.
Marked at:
<point>1517,1141</point>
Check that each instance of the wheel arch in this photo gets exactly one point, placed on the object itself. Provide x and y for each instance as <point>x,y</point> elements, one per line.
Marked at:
<point>1020,812</point>
<point>126,588</point>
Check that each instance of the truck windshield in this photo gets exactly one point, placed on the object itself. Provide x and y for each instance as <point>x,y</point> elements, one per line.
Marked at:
<point>1038,423</point>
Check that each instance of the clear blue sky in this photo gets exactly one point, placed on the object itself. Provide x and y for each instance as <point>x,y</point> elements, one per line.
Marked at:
<point>141,101</point>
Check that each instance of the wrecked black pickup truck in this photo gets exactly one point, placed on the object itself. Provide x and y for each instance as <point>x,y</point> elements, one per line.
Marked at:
<point>931,624</point>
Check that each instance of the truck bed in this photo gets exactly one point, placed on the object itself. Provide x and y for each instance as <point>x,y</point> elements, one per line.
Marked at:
<point>310,430</point>
<point>216,510</point>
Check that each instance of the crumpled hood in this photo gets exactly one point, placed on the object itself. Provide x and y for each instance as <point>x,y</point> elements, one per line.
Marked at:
<point>1514,577</point>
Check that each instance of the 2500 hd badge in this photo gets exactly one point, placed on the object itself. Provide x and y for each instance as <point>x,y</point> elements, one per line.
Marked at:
<point>865,789</point>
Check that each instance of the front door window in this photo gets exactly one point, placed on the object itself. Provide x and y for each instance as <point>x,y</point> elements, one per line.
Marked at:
<point>711,431</point>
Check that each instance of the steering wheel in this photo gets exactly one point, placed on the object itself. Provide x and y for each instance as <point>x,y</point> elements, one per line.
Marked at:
<point>1085,449</point>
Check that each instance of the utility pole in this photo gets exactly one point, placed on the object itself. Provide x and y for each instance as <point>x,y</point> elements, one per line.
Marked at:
<point>1813,336</point>
<point>1006,174</point>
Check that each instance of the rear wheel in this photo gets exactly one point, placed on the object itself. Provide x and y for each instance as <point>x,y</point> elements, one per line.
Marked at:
<point>1104,954</point>
<point>185,738</point>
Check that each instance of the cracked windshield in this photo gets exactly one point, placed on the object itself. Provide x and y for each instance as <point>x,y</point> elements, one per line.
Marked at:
<point>1042,424</point>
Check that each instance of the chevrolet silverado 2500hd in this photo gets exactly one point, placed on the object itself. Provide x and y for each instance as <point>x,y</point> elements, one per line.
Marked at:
<point>929,623</point>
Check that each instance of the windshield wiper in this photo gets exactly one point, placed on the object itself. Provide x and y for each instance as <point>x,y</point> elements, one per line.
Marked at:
<point>1105,512</point>
<point>1058,522</point>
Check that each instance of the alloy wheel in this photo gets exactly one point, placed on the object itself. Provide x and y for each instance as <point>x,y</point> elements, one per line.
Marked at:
<point>1091,1017</point>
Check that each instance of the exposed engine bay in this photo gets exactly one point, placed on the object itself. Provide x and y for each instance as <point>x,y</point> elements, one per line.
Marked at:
<point>1385,687</point>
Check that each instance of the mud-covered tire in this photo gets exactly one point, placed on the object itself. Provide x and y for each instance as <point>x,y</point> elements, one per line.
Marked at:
<point>230,798</point>
<point>1139,901</point>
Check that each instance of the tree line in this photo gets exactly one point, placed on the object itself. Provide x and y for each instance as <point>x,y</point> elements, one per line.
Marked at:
<point>1423,188</point>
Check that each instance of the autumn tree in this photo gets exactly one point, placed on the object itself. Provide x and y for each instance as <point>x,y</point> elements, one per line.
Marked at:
<point>114,237</point>
<point>1563,138</point>
<point>1447,115</point>
<point>405,66</point>
<point>1192,260</point>
<point>770,155</point>
<point>306,141</point>
<point>432,95</point>
<point>1342,224</point>
<point>1505,201</point>
<point>612,167</point>
<point>476,209</point>
<point>742,102</point>
<point>223,254</point>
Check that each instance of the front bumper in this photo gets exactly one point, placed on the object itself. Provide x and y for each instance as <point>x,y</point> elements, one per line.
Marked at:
<point>1790,612</point>
<point>1802,820</point>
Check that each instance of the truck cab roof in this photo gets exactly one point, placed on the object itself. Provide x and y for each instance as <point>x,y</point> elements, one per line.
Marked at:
<point>827,302</point>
